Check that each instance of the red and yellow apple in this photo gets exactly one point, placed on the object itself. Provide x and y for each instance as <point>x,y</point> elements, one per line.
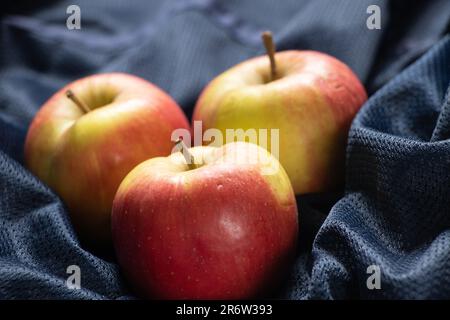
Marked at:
<point>224,229</point>
<point>311,99</point>
<point>84,146</point>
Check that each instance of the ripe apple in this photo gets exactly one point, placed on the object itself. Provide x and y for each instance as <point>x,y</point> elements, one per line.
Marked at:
<point>225,228</point>
<point>309,96</point>
<point>90,134</point>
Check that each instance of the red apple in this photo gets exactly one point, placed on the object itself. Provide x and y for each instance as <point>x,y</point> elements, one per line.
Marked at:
<point>225,229</point>
<point>311,98</point>
<point>84,146</point>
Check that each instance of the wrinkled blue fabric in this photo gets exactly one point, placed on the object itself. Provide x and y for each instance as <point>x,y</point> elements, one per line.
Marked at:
<point>394,212</point>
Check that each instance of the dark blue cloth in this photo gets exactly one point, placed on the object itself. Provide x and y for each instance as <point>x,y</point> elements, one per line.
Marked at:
<point>395,209</point>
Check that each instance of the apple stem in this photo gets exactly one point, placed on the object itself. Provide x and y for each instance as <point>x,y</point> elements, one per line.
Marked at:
<point>270,50</point>
<point>80,104</point>
<point>187,154</point>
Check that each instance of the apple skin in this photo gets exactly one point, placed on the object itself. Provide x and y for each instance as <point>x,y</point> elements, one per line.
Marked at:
<point>312,103</point>
<point>84,157</point>
<point>221,231</point>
